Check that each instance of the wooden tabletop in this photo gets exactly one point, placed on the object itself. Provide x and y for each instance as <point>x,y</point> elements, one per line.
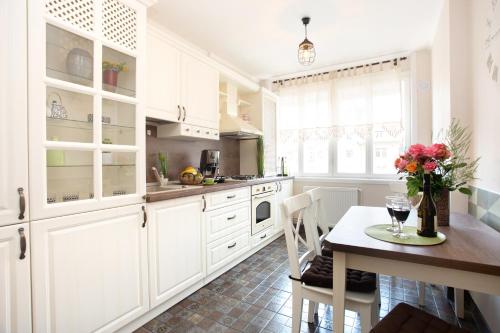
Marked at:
<point>470,245</point>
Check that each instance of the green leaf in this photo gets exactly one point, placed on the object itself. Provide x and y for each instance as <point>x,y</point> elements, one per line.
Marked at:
<point>465,190</point>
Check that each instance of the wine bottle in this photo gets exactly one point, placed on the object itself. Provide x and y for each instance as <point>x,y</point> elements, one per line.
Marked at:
<point>427,218</point>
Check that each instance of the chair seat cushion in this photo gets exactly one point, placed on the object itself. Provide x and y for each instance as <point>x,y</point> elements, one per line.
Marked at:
<point>320,274</point>
<point>327,249</point>
<point>405,318</point>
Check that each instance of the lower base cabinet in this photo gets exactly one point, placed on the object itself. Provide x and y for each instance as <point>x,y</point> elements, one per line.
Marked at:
<point>89,271</point>
<point>15,288</point>
<point>176,247</point>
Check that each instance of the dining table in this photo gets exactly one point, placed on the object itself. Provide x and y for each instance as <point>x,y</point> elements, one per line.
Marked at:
<point>469,259</point>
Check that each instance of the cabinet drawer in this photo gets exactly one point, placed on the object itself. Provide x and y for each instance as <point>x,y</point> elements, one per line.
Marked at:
<point>225,250</point>
<point>224,221</point>
<point>262,236</point>
<point>225,198</point>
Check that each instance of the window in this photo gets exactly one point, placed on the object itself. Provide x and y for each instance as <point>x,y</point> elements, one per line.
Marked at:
<point>349,126</point>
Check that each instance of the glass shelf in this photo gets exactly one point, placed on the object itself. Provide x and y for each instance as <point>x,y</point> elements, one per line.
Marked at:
<point>123,114</point>
<point>69,57</point>
<point>69,182</point>
<point>67,116</point>
<point>80,124</point>
<point>121,180</point>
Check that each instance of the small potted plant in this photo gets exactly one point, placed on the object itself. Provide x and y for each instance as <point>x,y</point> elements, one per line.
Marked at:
<point>107,156</point>
<point>162,158</point>
<point>110,72</point>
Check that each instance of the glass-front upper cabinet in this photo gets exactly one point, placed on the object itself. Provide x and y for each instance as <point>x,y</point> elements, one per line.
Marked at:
<point>86,119</point>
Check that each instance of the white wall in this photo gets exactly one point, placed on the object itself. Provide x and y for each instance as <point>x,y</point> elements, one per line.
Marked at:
<point>463,89</point>
<point>421,96</point>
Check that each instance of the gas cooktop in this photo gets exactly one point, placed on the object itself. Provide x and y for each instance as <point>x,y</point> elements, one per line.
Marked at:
<point>243,177</point>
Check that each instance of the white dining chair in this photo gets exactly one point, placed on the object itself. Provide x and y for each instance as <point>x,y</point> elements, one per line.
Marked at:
<point>300,206</point>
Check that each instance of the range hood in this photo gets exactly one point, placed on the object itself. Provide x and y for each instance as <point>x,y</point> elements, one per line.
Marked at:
<point>231,125</point>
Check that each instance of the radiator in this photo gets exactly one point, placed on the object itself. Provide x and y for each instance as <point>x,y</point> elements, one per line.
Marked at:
<point>335,202</point>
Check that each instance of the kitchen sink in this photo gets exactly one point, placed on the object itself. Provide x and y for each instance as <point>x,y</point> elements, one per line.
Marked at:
<point>170,187</point>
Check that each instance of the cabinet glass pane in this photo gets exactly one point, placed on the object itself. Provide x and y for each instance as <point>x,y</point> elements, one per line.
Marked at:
<point>69,116</point>
<point>118,72</point>
<point>118,173</point>
<point>118,123</point>
<point>70,175</point>
<point>69,56</point>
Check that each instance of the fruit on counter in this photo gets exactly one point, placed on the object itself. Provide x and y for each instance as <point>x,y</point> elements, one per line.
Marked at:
<point>190,169</point>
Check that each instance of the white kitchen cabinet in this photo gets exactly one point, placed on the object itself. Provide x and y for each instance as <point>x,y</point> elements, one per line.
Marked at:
<point>163,79</point>
<point>175,244</point>
<point>284,190</point>
<point>13,114</point>
<point>181,88</point>
<point>89,271</point>
<point>15,287</point>
<point>200,93</point>
<point>86,92</point>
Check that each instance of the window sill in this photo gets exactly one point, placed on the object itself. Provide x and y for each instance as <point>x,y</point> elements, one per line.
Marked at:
<point>341,180</point>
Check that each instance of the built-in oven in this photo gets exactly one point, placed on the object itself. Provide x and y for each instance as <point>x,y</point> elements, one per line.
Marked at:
<point>263,201</point>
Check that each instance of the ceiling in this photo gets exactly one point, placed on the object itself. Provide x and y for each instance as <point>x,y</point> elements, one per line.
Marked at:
<point>260,37</point>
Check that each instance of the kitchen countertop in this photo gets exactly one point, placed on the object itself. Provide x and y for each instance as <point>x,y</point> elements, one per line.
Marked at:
<point>202,189</point>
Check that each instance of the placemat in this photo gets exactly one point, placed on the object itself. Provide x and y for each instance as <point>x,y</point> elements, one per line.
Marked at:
<point>378,231</point>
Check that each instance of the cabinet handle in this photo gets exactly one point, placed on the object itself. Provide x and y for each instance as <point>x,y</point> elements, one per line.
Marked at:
<point>231,246</point>
<point>22,203</point>
<point>232,217</point>
<point>197,131</point>
<point>204,203</point>
<point>263,236</point>
<point>22,243</point>
<point>184,119</point>
<point>144,217</point>
<point>207,132</point>
<point>180,112</point>
<point>216,133</point>
<point>231,196</point>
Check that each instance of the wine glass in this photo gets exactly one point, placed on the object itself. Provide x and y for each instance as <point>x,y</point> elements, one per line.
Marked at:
<point>388,205</point>
<point>401,208</point>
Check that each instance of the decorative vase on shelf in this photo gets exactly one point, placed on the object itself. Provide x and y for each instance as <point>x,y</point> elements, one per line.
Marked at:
<point>79,63</point>
<point>443,208</point>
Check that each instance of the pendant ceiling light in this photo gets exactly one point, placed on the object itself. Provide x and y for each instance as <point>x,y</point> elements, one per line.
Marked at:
<point>306,53</point>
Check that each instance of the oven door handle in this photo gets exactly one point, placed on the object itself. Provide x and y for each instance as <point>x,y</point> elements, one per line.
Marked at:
<point>264,195</point>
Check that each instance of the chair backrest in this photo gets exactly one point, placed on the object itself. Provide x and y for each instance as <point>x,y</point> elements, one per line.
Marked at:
<point>315,220</point>
<point>296,206</point>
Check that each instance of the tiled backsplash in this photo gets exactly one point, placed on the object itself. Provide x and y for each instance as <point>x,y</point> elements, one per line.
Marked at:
<point>485,206</point>
<point>182,153</point>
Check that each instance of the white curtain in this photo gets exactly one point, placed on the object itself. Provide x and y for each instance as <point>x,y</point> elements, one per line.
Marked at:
<point>349,106</point>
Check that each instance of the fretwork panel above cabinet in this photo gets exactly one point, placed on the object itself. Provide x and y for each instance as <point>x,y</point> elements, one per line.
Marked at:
<point>181,88</point>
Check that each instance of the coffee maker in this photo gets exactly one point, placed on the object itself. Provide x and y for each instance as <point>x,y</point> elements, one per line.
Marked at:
<point>209,163</point>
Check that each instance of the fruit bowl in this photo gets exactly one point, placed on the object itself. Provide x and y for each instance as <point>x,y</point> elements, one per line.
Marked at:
<point>190,176</point>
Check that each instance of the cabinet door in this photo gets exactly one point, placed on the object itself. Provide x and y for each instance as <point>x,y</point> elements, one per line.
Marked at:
<point>200,93</point>
<point>162,80</point>
<point>89,271</point>
<point>175,247</point>
<point>13,112</point>
<point>15,302</point>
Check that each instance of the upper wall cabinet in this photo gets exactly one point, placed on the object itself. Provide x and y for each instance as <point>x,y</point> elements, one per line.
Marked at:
<point>86,118</point>
<point>181,88</point>
<point>13,115</point>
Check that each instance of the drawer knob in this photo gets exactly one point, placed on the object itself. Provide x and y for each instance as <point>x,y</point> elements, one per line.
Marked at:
<point>232,217</point>
<point>231,246</point>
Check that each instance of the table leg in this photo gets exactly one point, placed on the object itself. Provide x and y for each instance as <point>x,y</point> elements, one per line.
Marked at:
<point>459,303</point>
<point>339,267</point>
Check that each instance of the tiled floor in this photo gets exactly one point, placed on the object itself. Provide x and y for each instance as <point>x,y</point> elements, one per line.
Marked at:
<point>255,296</point>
